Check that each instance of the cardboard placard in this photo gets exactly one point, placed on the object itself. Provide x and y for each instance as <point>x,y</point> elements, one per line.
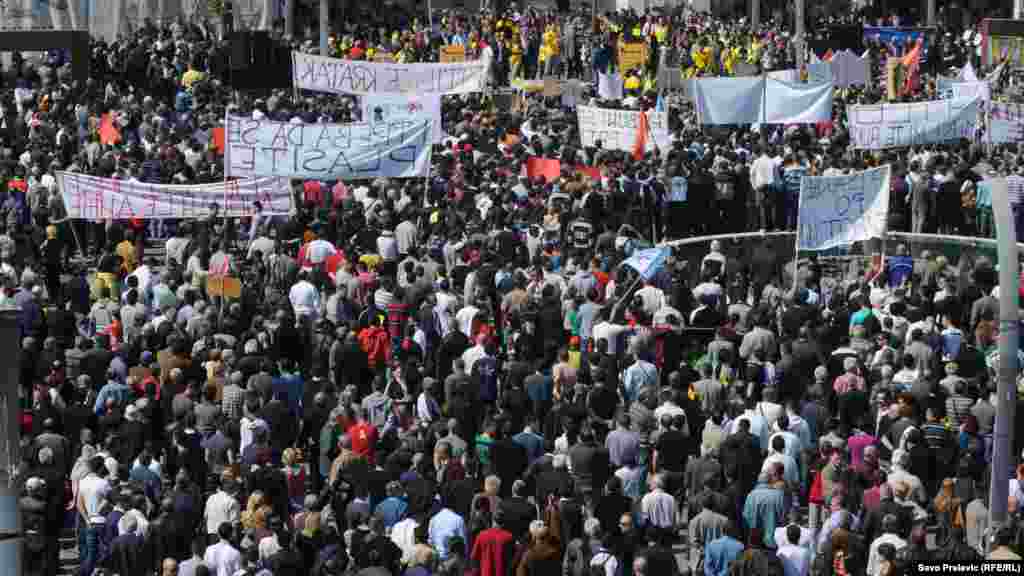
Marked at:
<point>383,57</point>
<point>890,77</point>
<point>632,55</point>
<point>552,87</point>
<point>225,286</point>
<point>453,53</point>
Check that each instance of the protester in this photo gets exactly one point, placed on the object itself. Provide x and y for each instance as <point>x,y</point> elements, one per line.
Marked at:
<point>480,369</point>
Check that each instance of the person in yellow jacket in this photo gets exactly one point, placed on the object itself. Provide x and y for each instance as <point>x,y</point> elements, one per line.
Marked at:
<point>515,54</point>
<point>550,50</point>
<point>632,83</point>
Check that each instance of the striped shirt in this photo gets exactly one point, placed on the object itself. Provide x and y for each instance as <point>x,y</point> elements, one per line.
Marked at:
<point>957,409</point>
<point>1015,189</point>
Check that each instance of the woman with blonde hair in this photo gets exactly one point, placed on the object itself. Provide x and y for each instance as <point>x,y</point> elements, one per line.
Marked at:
<point>295,476</point>
<point>255,515</point>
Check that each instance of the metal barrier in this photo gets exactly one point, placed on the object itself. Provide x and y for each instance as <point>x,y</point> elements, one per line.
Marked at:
<point>770,255</point>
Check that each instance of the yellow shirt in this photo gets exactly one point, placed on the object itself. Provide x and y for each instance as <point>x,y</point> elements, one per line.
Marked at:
<point>632,83</point>
<point>661,33</point>
<point>190,77</point>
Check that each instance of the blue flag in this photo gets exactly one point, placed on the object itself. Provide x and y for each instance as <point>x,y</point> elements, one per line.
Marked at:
<point>648,262</point>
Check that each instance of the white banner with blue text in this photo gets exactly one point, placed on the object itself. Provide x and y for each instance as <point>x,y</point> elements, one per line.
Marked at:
<point>880,126</point>
<point>397,148</point>
<point>840,210</point>
<point>337,76</point>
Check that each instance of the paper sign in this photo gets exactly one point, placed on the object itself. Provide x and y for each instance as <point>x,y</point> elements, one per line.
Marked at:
<point>389,107</point>
<point>840,210</point>
<point>617,129</point>
<point>383,57</point>
<point>552,87</point>
<point>95,198</point>
<point>609,86</point>
<point>891,66</point>
<point>109,134</point>
<point>337,76</point>
<point>225,286</point>
<point>218,139</point>
<point>549,168</point>
<point>632,55</point>
<point>453,53</point>
<point>1006,122</point>
<point>397,148</point>
<point>881,126</point>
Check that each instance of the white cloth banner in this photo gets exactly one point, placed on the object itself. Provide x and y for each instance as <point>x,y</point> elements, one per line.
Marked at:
<point>1006,122</point>
<point>337,76</point>
<point>879,126</point>
<point>964,90</point>
<point>388,107</point>
<point>94,198</point>
<point>840,210</point>
<point>398,148</point>
<point>729,100</point>
<point>617,129</point>
<point>609,86</point>
<point>850,70</point>
<point>792,75</point>
<point>786,103</point>
<point>818,72</point>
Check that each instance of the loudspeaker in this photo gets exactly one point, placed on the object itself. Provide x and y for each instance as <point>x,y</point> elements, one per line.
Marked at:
<point>262,48</point>
<point>241,50</point>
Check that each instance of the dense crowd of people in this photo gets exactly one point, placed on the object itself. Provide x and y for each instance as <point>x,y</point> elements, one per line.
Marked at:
<point>458,375</point>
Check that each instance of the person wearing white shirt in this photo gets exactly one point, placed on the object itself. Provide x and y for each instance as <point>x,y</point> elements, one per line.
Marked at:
<point>222,558</point>
<point>405,236</point>
<point>464,318</point>
<point>652,297</point>
<point>304,297</point>
<point>387,246</point>
<point>222,506</point>
<point>890,529</point>
<point>796,558</point>
<point>762,179</point>
<point>403,534</point>
<point>610,332</point>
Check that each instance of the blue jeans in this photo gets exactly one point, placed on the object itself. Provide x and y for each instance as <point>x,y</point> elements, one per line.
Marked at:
<point>88,547</point>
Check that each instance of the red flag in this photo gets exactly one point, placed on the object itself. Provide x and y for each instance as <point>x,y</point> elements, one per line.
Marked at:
<point>593,171</point>
<point>109,134</point>
<point>911,64</point>
<point>218,139</point>
<point>828,56</point>
<point>640,144</point>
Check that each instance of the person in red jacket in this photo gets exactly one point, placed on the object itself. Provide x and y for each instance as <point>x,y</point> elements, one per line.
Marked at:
<point>363,436</point>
